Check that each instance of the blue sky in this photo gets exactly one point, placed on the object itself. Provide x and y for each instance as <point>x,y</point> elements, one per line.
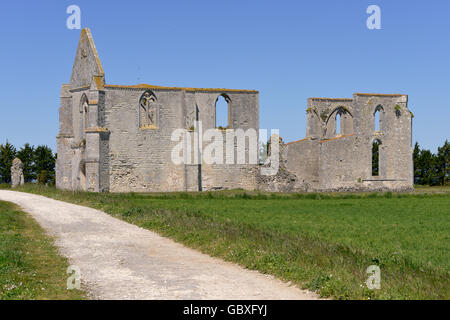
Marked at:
<point>288,50</point>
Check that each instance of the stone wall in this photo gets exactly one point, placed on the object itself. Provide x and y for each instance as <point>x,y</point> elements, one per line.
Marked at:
<point>103,144</point>
<point>243,114</point>
<point>322,116</point>
<point>338,162</point>
<point>302,160</point>
<point>395,135</point>
<point>63,168</point>
<point>343,160</point>
<point>283,180</point>
<point>140,159</point>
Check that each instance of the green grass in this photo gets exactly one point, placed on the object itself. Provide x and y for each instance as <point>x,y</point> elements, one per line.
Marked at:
<point>30,266</point>
<point>323,242</point>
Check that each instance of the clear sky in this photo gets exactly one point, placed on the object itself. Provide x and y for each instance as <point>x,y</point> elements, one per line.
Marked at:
<point>288,50</point>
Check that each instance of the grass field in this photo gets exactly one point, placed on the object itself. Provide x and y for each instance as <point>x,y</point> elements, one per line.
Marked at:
<point>30,266</point>
<point>323,242</point>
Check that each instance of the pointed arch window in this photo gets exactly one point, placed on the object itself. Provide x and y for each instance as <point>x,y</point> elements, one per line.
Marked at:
<point>84,112</point>
<point>376,157</point>
<point>222,114</point>
<point>377,115</point>
<point>147,110</point>
<point>338,123</point>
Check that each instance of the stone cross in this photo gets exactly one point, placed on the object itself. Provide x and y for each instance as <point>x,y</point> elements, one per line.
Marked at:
<point>17,173</point>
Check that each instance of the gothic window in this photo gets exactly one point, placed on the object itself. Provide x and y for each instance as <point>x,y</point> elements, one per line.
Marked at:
<point>223,111</point>
<point>377,118</point>
<point>84,113</point>
<point>376,157</point>
<point>147,110</point>
<point>338,123</point>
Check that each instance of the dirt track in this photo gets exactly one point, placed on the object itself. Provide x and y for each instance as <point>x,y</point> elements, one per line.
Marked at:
<point>122,261</point>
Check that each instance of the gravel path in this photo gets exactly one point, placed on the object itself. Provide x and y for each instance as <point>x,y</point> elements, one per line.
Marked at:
<point>122,261</point>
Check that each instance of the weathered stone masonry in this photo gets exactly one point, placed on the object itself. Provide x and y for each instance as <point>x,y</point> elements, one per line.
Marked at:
<point>327,160</point>
<point>118,138</point>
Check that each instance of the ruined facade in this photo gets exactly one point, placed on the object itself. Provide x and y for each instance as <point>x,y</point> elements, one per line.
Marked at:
<point>118,138</point>
<point>364,143</point>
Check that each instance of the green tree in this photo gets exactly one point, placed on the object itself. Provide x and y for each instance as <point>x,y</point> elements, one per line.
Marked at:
<point>416,158</point>
<point>26,155</point>
<point>429,168</point>
<point>42,177</point>
<point>44,161</point>
<point>427,165</point>
<point>7,155</point>
<point>443,164</point>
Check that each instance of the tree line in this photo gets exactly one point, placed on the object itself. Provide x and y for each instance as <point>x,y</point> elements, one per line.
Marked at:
<point>38,163</point>
<point>432,169</point>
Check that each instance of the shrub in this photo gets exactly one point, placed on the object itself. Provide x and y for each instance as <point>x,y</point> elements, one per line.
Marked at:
<point>42,177</point>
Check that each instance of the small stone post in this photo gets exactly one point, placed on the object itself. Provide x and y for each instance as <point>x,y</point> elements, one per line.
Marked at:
<point>17,173</point>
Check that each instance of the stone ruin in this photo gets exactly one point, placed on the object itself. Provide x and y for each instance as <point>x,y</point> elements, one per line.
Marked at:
<point>117,138</point>
<point>283,180</point>
<point>17,173</point>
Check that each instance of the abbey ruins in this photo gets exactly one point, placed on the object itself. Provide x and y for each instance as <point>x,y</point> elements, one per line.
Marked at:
<point>118,138</point>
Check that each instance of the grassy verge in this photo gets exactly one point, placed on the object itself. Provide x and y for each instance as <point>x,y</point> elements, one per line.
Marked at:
<point>323,242</point>
<point>30,266</point>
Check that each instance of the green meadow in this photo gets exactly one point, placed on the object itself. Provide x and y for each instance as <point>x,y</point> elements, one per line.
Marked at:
<point>321,242</point>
